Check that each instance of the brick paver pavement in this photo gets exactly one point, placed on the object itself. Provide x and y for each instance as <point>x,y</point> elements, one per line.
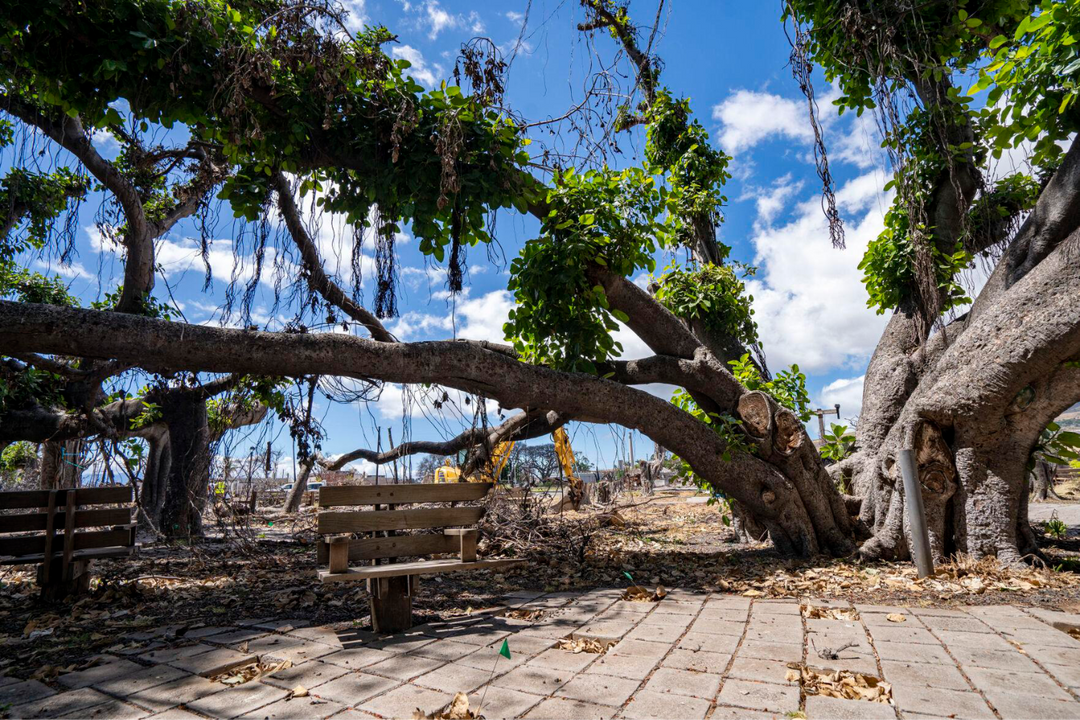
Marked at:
<point>688,656</point>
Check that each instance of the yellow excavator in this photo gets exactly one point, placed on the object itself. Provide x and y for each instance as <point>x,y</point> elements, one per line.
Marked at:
<point>449,474</point>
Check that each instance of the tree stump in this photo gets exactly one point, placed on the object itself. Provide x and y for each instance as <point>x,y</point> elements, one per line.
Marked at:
<point>391,603</point>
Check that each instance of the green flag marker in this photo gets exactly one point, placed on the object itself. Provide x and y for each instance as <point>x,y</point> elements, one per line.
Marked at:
<point>628,576</point>
<point>505,649</point>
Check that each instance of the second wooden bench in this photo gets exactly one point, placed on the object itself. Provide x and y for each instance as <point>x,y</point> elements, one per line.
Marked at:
<point>392,585</point>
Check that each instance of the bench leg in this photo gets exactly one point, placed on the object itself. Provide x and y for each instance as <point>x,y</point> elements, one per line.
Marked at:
<point>391,603</point>
<point>57,587</point>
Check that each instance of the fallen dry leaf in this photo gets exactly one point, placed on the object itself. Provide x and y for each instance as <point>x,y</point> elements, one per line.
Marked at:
<point>815,612</point>
<point>842,684</point>
<point>458,710</point>
<point>580,645</point>
<point>638,593</point>
<point>896,617</point>
<point>299,691</point>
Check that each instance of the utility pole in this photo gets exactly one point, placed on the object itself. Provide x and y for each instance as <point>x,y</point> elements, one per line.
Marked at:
<point>821,419</point>
<point>632,458</point>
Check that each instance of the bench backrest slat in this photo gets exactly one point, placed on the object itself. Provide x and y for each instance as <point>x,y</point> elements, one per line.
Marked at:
<point>377,520</point>
<point>21,499</point>
<point>397,546</point>
<point>35,544</point>
<point>83,519</point>
<point>341,495</point>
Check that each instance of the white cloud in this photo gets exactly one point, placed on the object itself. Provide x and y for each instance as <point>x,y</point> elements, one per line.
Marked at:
<point>772,201</point>
<point>356,14</point>
<point>809,299</point>
<point>749,117</point>
<point>515,17</point>
<point>847,392</point>
<point>432,17</point>
<point>420,70</point>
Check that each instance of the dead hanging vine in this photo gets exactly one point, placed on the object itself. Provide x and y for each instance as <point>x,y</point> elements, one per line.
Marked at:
<point>801,70</point>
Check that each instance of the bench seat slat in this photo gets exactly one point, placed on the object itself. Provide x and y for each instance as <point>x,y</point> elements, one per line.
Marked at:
<point>423,567</point>
<point>21,499</point>
<point>92,554</point>
<point>340,495</point>
<point>83,519</point>
<point>35,544</point>
<point>378,520</point>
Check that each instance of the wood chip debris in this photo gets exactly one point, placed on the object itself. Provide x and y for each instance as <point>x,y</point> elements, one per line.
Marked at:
<point>582,644</point>
<point>457,710</point>
<point>842,684</point>
<point>818,612</point>
<point>249,672</point>
<point>639,593</point>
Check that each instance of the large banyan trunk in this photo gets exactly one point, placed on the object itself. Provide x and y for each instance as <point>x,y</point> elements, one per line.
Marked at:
<point>61,464</point>
<point>186,472</point>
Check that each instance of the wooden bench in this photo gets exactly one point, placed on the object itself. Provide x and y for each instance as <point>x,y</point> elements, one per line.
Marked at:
<point>68,531</point>
<point>392,585</point>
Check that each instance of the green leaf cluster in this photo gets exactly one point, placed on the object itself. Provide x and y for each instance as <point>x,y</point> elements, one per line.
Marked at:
<point>713,295</point>
<point>837,443</point>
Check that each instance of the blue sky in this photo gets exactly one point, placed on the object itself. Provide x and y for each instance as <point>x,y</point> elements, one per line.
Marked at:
<point>731,59</point>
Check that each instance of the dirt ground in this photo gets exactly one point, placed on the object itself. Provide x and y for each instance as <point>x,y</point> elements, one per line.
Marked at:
<point>263,568</point>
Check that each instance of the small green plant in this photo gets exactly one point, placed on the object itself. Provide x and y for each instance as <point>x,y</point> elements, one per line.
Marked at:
<point>1055,527</point>
<point>788,387</point>
<point>837,443</point>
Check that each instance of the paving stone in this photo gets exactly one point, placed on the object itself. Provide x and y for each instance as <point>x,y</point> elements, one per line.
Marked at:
<point>490,660</point>
<point>910,652</point>
<point>501,702</point>
<point>484,636</point>
<point>214,662</point>
<point>714,626</point>
<point>861,662</point>
<point>983,641</point>
<point>759,696</point>
<point>872,620</point>
<point>239,700</point>
<point>786,607</point>
<point>600,689</point>
<point>728,601</point>
<point>447,650</point>
<point>676,608</point>
<point>346,638</point>
<point>404,667</point>
<point>700,661</point>
<point>641,648</point>
<point>656,633</point>
<point>771,651</point>
<point>995,683</point>
<point>283,625</point>
<point>532,679</point>
<point>1041,637</point>
<point>684,682</point>
<point>402,644</point>
<point>939,612</point>
<point>5,680</point>
<point>709,643</point>
<point>557,659</point>
<point>901,634</point>
<point>282,647</point>
<point>610,632</point>
<point>59,704</point>
<point>955,624</point>
<point>993,659</point>
<point>1054,655</point>
<point>196,633</point>
<point>522,646</point>
<point>828,708</point>
<point>939,676</point>
<point>647,705</point>
<point>773,634</point>
<point>454,678</point>
<point>310,675</point>
<point>1067,674</point>
<point>354,688</point>
<point>672,619</point>
<point>1027,706</point>
<point>724,712</point>
<point>234,637</point>
<point>177,714</point>
<point>745,668</point>
<point>144,679</point>
<point>177,692</point>
<point>305,707</point>
<point>402,701</point>
<point>941,702</point>
<point>168,654</point>
<point>865,610</point>
<point>356,658</point>
<point>112,709</point>
<point>566,709</point>
<point>624,666</point>
<point>24,692</point>
<point>95,674</point>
